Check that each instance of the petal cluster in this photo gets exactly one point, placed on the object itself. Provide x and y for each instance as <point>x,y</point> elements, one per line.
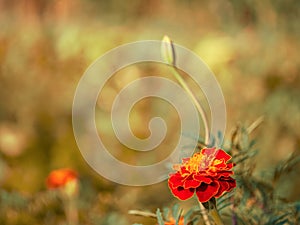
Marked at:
<point>60,178</point>
<point>207,173</point>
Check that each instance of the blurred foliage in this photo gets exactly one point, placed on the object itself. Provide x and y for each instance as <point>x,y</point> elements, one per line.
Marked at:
<point>257,198</point>
<point>45,46</point>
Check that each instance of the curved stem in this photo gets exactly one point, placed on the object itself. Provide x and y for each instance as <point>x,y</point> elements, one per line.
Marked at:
<point>196,102</point>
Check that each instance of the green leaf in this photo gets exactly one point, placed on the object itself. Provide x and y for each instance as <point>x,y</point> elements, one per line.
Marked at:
<point>252,143</point>
<point>159,217</point>
<point>178,217</point>
<point>277,219</point>
<point>224,206</point>
<point>166,211</point>
<point>175,210</point>
<point>223,199</point>
<point>286,166</point>
<point>297,205</point>
<point>188,214</point>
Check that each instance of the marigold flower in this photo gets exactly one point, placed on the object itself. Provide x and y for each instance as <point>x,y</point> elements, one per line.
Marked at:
<point>206,173</point>
<point>60,178</point>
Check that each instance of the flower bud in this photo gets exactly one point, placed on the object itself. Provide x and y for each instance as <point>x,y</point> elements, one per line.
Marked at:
<point>168,50</point>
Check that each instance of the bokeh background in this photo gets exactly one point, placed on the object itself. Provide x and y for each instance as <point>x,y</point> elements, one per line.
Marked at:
<point>45,46</point>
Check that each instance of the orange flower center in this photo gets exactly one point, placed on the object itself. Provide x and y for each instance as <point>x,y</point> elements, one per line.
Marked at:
<point>200,162</point>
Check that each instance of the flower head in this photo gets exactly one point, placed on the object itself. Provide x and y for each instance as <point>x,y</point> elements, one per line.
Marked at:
<point>206,173</point>
<point>60,177</point>
<point>64,179</point>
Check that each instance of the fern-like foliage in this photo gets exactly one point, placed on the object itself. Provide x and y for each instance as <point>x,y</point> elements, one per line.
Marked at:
<point>255,200</point>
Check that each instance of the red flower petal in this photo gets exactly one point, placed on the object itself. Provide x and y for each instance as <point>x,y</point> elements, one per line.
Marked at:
<point>202,178</point>
<point>206,191</point>
<point>220,165</point>
<point>213,174</point>
<point>229,166</point>
<point>181,193</point>
<point>225,173</point>
<point>224,186</point>
<point>218,153</point>
<point>209,151</point>
<point>232,184</point>
<point>176,180</point>
<point>222,155</point>
<point>191,183</point>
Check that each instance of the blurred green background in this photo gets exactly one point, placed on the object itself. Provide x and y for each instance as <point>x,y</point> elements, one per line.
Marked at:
<point>252,47</point>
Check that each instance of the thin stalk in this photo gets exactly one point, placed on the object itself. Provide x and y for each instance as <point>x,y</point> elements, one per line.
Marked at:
<point>204,214</point>
<point>169,55</point>
<point>255,124</point>
<point>194,99</point>
<point>215,215</point>
<point>142,213</point>
<point>71,211</point>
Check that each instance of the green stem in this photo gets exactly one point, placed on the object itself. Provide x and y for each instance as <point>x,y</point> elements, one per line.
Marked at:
<point>204,215</point>
<point>211,208</point>
<point>215,215</point>
<point>71,211</point>
<point>194,99</point>
<point>169,55</point>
